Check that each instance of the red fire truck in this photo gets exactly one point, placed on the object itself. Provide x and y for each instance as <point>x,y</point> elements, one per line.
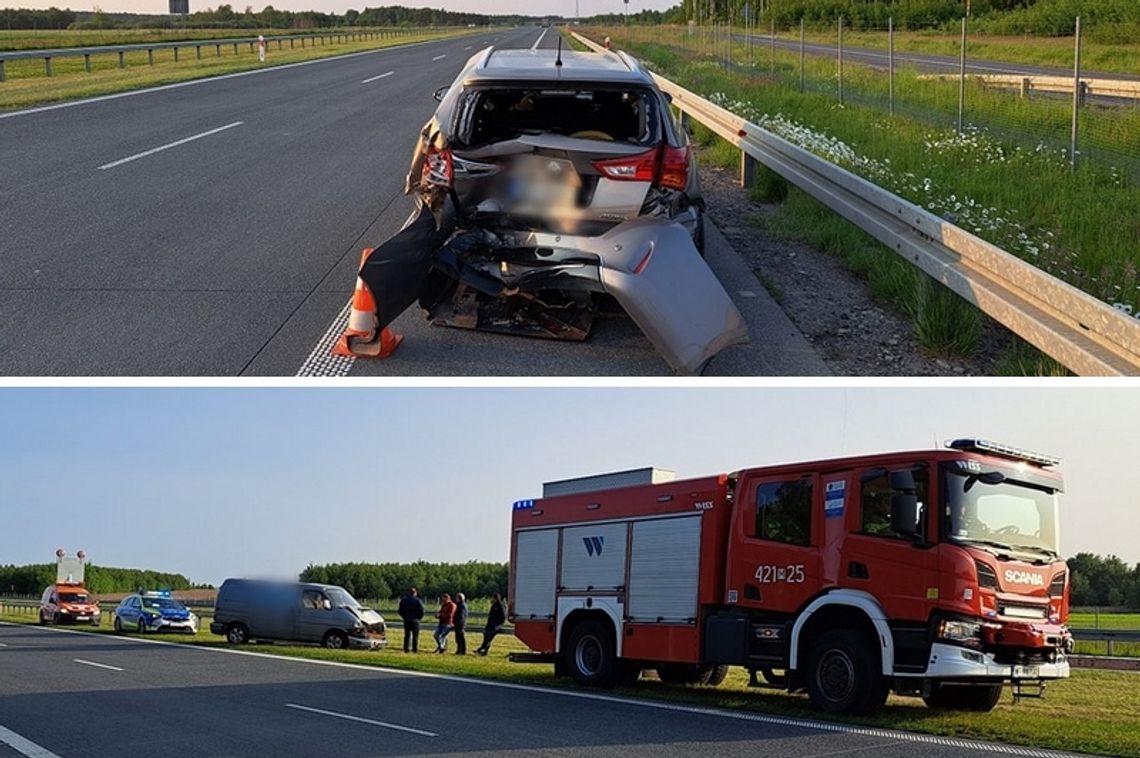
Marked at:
<point>933,573</point>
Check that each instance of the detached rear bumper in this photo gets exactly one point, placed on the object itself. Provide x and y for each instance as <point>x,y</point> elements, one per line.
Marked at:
<point>951,662</point>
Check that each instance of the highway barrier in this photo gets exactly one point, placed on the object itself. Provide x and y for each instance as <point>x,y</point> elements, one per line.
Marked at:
<point>216,45</point>
<point>1082,333</point>
<point>1089,87</point>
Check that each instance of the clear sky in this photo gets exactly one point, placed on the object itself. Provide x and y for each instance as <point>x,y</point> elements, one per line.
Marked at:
<point>220,482</point>
<point>491,7</point>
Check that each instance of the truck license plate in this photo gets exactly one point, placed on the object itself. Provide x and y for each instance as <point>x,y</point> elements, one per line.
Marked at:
<point>1026,672</point>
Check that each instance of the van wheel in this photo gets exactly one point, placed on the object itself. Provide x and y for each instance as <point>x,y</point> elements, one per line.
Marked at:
<point>237,634</point>
<point>591,657</point>
<point>118,625</point>
<point>844,674</point>
<point>964,697</point>
<point>335,640</point>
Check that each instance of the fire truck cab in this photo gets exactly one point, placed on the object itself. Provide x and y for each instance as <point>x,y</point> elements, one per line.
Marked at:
<point>933,573</point>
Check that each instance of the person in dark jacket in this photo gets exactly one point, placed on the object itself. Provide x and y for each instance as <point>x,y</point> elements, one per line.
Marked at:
<point>460,622</point>
<point>411,611</point>
<point>495,620</point>
<point>446,615</point>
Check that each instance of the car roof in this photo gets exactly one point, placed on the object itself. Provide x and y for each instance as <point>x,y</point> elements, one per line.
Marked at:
<point>528,65</point>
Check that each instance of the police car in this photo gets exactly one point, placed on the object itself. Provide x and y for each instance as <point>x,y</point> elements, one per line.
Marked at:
<point>154,612</point>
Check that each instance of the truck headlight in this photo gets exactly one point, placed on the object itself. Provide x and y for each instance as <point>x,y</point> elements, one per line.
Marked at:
<point>967,633</point>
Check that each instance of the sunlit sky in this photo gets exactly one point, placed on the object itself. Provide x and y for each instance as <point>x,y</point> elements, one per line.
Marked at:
<point>564,8</point>
<point>219,482</point>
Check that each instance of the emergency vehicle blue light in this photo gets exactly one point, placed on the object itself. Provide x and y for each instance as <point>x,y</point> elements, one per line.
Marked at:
<point>522,505</point>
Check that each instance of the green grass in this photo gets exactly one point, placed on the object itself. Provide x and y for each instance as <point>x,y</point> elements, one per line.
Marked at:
<point>27,85</point>
<point>1094,711</point>
<point>1091,620</point>
<point>1080,226</point>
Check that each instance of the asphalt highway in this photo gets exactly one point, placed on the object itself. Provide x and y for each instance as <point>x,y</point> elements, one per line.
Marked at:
<point>215,227</point>
<point>65,694</point>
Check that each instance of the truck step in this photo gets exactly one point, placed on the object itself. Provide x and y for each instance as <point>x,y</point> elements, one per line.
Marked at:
<point>1022,690</point>
<point>531,657</point>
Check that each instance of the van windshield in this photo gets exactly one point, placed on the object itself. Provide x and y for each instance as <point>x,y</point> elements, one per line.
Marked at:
<point>74,597</point>
<point>341,599</point>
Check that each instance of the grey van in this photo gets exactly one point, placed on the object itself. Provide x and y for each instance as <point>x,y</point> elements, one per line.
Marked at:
<point>249,609</point>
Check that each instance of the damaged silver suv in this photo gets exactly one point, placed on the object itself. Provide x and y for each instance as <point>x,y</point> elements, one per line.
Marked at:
<point>545,180</point>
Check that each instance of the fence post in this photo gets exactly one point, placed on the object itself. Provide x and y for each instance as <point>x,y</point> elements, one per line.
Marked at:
<point>87,62</point>
<point>47,64</point>
<point>122,63</point>
<point>1076,111</point>
<point>891,63</point>
<point>962,79</point>
<point>772,56</point>
<point>840,70</point>
<point>801,54</point>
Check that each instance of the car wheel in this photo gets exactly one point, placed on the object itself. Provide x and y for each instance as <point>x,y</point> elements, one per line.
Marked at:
<point>55,618</point>
<point>237,634</point>
<point>335,640</point>
<point>981,698</point>
<point>43,621</point>
<point>592,658</point>
<point>118,625</point>
<point>844,674</point>
<point>142,627</point>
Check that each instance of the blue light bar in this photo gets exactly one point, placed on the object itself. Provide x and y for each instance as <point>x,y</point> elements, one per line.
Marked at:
<point>972,444</point>
<point>522,505</point>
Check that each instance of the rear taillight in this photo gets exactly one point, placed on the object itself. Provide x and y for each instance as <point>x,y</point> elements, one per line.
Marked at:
<point>438,168</point>
<point>666,167</point>
<point>630,168</point>
<point>674,172</point>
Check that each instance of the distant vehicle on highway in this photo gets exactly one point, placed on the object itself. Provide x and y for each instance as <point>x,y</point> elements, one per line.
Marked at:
<point>248,609</point>
<point>154,612</point>
<point>546,180</point>
<point>66,603</point>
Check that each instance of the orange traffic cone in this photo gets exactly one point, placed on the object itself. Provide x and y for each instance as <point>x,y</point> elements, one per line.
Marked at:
<point>360,339</point>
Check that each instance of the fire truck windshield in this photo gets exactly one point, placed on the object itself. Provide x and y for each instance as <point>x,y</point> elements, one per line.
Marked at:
<point>993,509</point>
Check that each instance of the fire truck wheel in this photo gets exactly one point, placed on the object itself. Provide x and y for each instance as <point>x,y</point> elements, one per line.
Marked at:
<point>968,698</point>
<point>237,634</point>
<point>716,676</point>
<point>844,673</point>
<point>591,656</point>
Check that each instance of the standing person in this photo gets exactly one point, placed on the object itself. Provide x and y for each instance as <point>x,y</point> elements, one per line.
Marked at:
<point>411,611</point>
<point>460,622</point>
<point>445,616</point>
<point>495,620</point>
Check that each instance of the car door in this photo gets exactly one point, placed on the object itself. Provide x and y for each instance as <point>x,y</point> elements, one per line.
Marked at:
<point>313,618</point>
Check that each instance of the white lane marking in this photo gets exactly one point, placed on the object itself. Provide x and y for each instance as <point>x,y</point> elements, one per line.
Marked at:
<point>23,745</point>
<point>374,78</point>
<point>439,57</point>
<point>176,143</point>
<point>538,41</point>
<point>321,362</point>
<point>96,665</point>
<point>208,79</point>
<point>760,718</point>
<point>348,717</point>
<point>468,47</point>
<point>3,644</point>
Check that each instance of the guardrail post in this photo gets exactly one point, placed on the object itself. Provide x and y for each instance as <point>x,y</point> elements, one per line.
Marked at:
<point>1025,85</point>
<point>150,57</point>
<point>748,169</point>
<point>122,62</point>
<point>251,47</point>
<point>278,44</point>
<point>87,62</point>
<point>235,48</point>
<point>3,75</point>
<point>1110,648</point>
<point>198,52</point>
<point>175,54</point>
<point>47,64</point>
<point>291,43</point>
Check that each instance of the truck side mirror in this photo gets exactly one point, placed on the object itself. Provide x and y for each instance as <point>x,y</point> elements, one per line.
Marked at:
<point>902,481</point>
<point>904,514</point>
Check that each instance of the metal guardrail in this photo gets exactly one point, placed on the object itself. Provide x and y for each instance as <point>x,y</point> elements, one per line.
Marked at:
<point>1090,87</point>
<point>315,39</point>
<point>1080,332</point>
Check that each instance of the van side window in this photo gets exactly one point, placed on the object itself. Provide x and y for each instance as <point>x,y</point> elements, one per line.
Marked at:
<point>875,499</point>
<point>783,512</point>
<point>312,599</point>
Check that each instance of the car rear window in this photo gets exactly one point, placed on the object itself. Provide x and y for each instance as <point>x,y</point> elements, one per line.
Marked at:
<point>494,114</point>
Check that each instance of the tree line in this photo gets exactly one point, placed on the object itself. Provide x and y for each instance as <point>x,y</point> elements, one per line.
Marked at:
<point>1104,581</point>
<point>33,578</point>
<point>383,581</point>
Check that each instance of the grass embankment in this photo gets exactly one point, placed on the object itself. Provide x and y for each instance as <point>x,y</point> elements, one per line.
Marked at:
<point>1094,711</point>
<point>35,39</point>
<point>27,85</point>
<point>1025,200</point>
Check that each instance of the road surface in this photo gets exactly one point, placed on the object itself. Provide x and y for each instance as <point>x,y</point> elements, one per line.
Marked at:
<point>65,694</point>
